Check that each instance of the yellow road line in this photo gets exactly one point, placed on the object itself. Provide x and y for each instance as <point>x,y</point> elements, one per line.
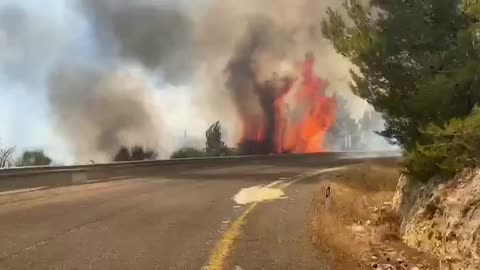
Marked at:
<point>225,245</point>
<point>308,175</point>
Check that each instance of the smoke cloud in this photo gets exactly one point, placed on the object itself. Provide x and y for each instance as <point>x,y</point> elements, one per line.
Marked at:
<point>157,34</point>
<point>99,112</point>
<point>98,109</point>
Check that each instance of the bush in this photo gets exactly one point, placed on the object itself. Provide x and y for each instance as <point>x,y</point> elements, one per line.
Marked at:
<point>33,158</point>
<point>446,150</point>
<point>188,152</point>
<point>136,153</point>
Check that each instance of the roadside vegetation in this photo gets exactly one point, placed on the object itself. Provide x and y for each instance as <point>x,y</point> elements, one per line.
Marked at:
<point>417,64</point>
<point>356,228</point>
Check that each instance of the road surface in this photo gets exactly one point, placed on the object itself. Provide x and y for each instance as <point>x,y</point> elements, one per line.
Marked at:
<point>182,220</point>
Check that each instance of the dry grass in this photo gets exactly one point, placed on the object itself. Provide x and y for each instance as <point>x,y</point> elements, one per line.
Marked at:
<point>339,228</point>
<point>372,177</point>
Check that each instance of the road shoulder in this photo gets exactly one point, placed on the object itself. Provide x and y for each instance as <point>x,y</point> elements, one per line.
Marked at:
<point>352,224</point>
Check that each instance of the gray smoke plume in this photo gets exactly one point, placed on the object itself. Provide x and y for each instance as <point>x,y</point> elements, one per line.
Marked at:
<point>156,34</point>
<point>99,112</point>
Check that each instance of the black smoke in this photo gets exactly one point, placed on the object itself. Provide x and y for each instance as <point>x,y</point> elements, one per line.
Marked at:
<point>247,88</point>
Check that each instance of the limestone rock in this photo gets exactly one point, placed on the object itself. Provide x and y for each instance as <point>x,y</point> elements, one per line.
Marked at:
<point>444,219</point>
<point>400,194</point>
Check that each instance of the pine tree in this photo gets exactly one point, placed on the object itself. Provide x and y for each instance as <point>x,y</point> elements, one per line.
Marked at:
<point>418,61</point>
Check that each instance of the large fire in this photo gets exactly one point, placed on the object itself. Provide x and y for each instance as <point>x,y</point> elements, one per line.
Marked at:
<point>296,115</point>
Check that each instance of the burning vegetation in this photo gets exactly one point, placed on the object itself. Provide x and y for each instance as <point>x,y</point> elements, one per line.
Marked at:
<point>295,114</point>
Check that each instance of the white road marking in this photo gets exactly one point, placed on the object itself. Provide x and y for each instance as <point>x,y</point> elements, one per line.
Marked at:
<point>104,179</point>
<point>259,194</point>
<point>274,184</point>
<point>308,175</point>
<point>23,190</point>
<point>274,190</point>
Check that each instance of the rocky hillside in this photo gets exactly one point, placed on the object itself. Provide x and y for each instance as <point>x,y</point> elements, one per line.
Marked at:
<point>443,218</point>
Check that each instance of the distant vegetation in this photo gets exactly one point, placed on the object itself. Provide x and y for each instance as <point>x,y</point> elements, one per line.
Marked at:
<point>350,134</point>
<point>345,127</point>
<point>135,153</point>
<point>188,152</point>
<point>6,156</point>
<point>33,158</point>
<point>9,158</point>
<point>214,145</point>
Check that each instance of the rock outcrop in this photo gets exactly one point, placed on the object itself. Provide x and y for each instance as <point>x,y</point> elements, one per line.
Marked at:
<point>442,218</point>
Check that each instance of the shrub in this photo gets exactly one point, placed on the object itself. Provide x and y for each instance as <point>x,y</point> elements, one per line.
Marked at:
<point>135,153</point>
<point>187,152</point>
<point>446,150</point>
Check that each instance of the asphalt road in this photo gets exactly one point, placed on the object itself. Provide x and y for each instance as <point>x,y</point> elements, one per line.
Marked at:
<point>186,219</point>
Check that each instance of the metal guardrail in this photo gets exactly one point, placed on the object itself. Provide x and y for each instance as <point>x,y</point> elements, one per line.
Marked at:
<point>55,176</point>
<point>151,163</point>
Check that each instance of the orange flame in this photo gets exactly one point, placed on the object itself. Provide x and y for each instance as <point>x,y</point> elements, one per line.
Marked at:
<point>304,115</point>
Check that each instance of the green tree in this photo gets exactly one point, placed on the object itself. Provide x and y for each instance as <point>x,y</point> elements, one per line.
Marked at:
<point>417,61</point>
<point>34,158</point>
<point>214,145</point>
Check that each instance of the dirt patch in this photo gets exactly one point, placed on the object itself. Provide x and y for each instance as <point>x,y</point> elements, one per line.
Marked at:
<point>353,224</point>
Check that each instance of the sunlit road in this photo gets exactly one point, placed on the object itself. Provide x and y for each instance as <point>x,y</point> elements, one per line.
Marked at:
<point>182,220</point>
